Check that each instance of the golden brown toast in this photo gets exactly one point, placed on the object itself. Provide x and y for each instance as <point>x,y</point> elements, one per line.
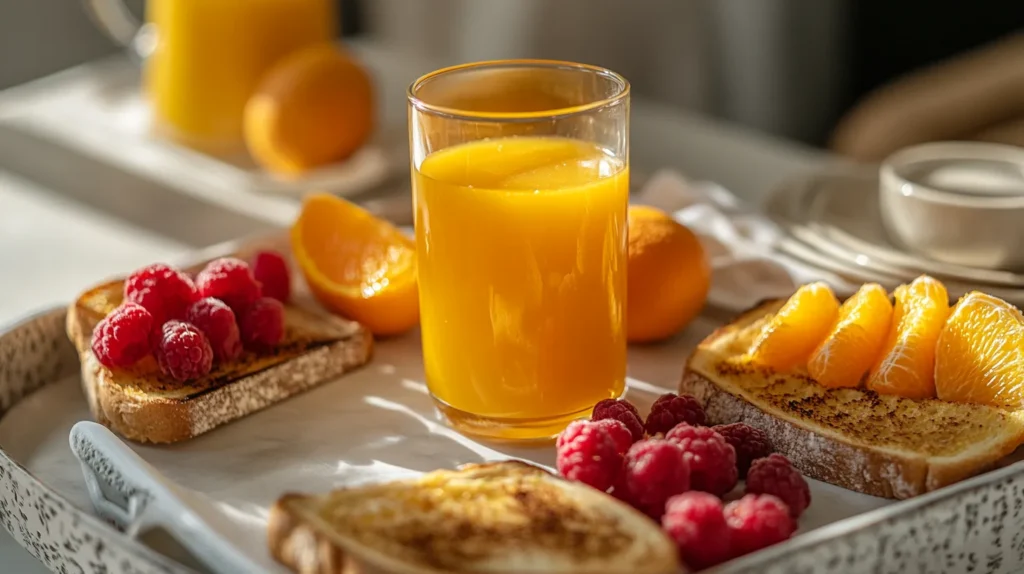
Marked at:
<point>144,405</point>
<point>500,518</point>
<point>882,445</point>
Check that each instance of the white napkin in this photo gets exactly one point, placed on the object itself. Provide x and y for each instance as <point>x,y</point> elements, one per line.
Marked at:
<point>740,242</point>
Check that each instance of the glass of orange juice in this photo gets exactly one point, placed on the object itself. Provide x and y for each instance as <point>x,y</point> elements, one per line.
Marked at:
<point>204,58</point>
<point>521,185</point>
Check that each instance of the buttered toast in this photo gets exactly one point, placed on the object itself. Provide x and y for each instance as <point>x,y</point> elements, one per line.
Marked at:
<point>883,445</point>
<point>502,518</point>
<point>144,405</point>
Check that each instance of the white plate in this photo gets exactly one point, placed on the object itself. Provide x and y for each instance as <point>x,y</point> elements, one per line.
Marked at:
<point>864,274</point>
<point>838,214</point>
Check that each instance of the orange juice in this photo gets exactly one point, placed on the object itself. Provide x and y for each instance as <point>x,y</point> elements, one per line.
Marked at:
<point>521,254</point>
<point>210,55</point>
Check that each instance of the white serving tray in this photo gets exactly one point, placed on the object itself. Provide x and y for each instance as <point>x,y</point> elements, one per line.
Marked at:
<point>99,110</point>
<point>212,494</point>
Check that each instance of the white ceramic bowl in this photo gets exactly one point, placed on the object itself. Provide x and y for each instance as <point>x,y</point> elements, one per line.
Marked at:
<point>957,202</point>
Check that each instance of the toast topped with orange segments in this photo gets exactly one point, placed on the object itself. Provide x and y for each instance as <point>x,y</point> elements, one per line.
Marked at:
<point>891,399</point>
<point>166,357</point>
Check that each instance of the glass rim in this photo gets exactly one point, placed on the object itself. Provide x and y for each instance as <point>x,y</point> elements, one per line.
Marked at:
<point>525,63</point>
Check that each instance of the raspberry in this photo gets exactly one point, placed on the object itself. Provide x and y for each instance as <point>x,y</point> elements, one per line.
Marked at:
<point>231,281</point>
<point>696,522</point>
<point>271,270</point>
<point>124,336</point>
<point>217,321</point>
<point>601,406</point>
<point>671,409</point>
<point>163,290</point>
<point>750,444</point>
<point>621,411</point>
<point>757,521</point>
<point>776,476</point>
<point>712,460</point>
<point>655,471</point>
<point>262,324</point>
<point>619,433</point>
<point>183,351</point>
<point>619,489</point>
<point>586,453</point>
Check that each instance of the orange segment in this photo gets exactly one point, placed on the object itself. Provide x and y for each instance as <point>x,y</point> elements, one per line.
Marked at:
<point>357,265</point>
<point>906,365</point>
<point>980,354</point>
<point>852,346</point>
<point>789,338</point>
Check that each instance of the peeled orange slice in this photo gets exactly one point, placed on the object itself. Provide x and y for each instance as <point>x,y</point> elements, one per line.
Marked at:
<point>790,336</point>
<point>906,365</point>
<point>356,265</point>
<point>980,353</point>
<point>852,346</point>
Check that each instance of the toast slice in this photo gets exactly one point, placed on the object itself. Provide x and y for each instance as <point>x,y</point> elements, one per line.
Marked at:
<point>881,445</point>
<point>144,405</point>
<point>500,518</point>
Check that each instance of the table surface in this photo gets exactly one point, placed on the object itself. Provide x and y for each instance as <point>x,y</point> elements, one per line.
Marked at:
<point>51,245</point>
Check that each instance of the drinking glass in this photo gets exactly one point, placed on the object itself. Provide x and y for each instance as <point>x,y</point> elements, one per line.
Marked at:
<point>520,186</point>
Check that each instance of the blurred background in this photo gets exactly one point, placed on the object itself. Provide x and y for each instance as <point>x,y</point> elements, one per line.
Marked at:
<point>791,68</point>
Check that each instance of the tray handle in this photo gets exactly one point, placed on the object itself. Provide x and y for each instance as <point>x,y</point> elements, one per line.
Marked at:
<point>115,497</point>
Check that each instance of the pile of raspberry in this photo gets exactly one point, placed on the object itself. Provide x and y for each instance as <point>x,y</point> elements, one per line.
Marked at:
<point>189,324</point>
<point>684,474</point>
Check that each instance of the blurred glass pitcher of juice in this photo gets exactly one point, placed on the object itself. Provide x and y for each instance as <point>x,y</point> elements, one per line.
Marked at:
<point>203,58</point>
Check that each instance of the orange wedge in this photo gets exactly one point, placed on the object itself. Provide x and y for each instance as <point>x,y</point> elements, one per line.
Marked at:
<point>906,366</point>
<point>852,346</point>
<point>790,336</point>
<point>356,265</point>
<point>980,354</point>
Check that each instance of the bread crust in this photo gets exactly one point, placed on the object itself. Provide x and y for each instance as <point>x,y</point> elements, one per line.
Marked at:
<point>298,545</point>
<point>156,420</point>
<point>876,471</point>
<point>845,465</point>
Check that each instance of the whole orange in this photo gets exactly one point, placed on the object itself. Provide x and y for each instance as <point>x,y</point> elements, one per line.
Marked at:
<point>314,107</point>
<point>668,276</point>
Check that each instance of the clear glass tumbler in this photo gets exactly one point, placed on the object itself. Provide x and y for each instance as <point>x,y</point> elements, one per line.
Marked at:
<point>521,185</point>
